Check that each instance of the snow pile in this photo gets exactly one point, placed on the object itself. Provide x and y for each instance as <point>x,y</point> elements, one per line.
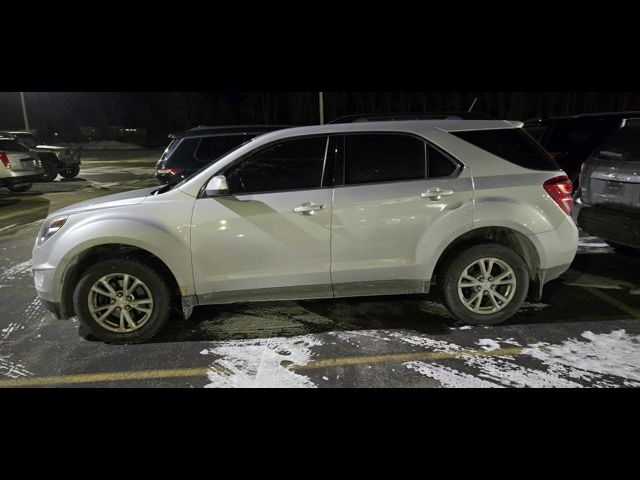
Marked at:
<point>261,363</point>
<point>19,270</point>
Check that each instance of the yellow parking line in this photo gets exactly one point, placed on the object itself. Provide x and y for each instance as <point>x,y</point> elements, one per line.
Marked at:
<point>103,377</point>
<point>400,357</point>
<point>634,312</point>
<point>202,372</point>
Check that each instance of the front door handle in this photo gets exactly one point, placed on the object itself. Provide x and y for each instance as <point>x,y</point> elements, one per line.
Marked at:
<point>436,194</point>
<point>308,208</point>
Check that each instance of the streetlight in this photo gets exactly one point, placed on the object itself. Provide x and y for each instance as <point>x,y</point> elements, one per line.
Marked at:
<point>24,111</point>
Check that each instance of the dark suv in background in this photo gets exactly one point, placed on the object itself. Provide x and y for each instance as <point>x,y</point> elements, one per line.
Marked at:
<point>610,189</point>
<point>193,149</point>
<point>571,140</point>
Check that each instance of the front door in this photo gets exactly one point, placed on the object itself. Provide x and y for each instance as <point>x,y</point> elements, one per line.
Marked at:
<point>270,237</point>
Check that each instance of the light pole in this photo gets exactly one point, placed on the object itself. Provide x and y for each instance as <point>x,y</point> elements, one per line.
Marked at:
<point>321,103</point>
<point>24,111</point>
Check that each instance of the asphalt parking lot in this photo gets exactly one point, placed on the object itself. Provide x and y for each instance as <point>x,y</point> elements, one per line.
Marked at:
<point>584,332</point>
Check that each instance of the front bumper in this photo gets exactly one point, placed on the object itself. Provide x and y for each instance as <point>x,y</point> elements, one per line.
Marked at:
<point>611,225</point>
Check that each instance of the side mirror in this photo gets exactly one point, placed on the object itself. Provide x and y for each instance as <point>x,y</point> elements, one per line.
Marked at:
<point>217,187</point>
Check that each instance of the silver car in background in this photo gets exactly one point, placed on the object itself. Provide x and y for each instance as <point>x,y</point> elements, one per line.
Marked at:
<point>476,209</point>
<point>610,189</point>
<point>19,166</point>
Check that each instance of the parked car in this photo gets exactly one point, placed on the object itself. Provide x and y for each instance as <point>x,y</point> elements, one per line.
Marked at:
<point>570,140</point>
<point>610,189</point>
<point>193,149</point>
<point>55,159</point>
<point>476,209</point>
<point>19,166</point>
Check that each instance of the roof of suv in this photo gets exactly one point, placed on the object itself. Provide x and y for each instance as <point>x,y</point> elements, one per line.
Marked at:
<point>203,130</point>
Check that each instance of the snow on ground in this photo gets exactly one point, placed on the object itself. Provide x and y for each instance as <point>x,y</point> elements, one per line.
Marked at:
<point>261,363</point>
<point>12,369</point>
<point>19,270</point>
<point>615,353</point>
<point>593,245</point>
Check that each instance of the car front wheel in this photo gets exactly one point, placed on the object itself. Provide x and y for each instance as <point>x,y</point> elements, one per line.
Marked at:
<point>485,284</point>
<point>122,301</point>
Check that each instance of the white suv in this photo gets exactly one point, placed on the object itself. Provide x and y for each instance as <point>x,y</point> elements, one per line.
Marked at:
<point>477,208</point>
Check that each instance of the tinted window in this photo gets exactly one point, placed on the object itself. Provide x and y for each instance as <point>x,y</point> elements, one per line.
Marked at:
<point>375,158</point>
<point>580,134</point>
<point>290,165</point>
<point>12,146</point>
<point>439,165</point>
<point>536,132</point>
<point>213,147</point>
<point>513,145</point>
<point>185,151</point>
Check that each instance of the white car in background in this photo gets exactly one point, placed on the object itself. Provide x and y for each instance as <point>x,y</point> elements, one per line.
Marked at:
<point>19,166</point>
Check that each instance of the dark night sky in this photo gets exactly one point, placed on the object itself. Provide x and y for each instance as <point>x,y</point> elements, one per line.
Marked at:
<point>163,112</point>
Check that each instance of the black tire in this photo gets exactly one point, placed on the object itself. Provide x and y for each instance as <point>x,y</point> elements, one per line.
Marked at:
<point>70,172</point>
<point>455,269</point>
<point>50,171</point>
<point>22,187</point>
<point>148,275</point>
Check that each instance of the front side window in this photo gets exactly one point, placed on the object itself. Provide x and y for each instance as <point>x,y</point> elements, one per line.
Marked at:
<point>374,158</point>
<point>290,165</point>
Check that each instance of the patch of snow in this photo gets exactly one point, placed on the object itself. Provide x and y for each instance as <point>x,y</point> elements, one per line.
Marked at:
<point>448,376</point>
<point>12,369</point>
<point>488,345</point>
<point>261,363</point>
<point>616,353</point>
<point>16,270</point>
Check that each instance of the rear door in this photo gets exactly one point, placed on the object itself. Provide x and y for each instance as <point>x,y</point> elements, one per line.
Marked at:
<point>390,190</point>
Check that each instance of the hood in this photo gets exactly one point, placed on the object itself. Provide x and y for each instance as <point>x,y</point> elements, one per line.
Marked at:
<point>109,201</point>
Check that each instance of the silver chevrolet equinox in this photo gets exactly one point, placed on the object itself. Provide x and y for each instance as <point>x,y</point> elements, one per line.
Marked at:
<point>474,207</point>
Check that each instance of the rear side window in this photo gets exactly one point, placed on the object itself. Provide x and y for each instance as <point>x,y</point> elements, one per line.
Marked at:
<point>185,151</point>
<point>373,158</point>
<point>439,165</point>
<point>214,147</point>
<point>623,144</point>
<point>513,145</point>
<point>12,146</point>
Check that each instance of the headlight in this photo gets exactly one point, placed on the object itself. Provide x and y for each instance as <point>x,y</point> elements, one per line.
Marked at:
<point>50,227</point>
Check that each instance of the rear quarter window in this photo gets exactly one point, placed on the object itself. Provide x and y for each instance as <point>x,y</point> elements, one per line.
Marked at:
<point>512,145</point>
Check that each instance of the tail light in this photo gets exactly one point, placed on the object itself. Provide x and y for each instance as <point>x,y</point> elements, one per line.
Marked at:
<point>5,160</point>
<point>38,160</point>
<point>171,170</point>
<point>555,155</point>
<point>559,189</point>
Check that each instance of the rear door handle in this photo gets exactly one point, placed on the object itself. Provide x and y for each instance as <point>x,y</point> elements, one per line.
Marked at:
<point>308,208</point>
<point>436,194</point>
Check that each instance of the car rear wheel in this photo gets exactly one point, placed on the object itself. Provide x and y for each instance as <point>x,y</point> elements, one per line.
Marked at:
<point>70,172</point>
<point>22,187</point>
<point>122,301</point>
<point>485,284</point>
<point>50,171</point>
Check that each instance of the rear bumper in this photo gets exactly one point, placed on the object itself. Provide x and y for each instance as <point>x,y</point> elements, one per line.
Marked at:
<point>617,226</point>
<point>31,178</point>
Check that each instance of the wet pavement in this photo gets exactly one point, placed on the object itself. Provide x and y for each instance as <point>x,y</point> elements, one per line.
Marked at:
<point>584,332</point>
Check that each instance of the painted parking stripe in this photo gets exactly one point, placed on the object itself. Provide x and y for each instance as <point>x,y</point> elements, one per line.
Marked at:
<point>79,379</point>
<point>634,312</point>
